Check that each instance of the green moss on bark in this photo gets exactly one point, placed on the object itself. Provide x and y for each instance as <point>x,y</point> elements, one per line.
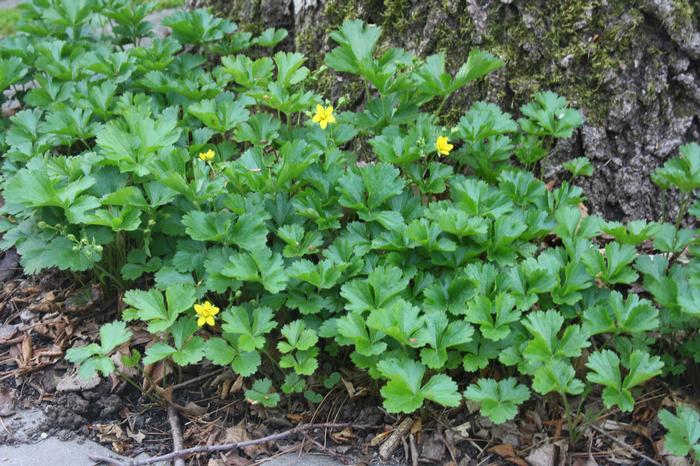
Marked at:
<point>572,47</point>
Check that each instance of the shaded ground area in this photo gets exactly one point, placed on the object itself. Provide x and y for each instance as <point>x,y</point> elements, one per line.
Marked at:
<point>52,451</point>
<point>41,449</point>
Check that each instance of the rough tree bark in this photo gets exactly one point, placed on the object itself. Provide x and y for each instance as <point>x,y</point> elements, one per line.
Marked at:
<point>632,66</point>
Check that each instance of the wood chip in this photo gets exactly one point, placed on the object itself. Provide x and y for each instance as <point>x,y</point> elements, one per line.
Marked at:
<point>387,449</point>
<point>507,452</point>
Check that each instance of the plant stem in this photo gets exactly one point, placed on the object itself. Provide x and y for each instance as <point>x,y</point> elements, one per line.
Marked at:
<point>442,104</point>
<point>569,421</point>
<point>683,208</point>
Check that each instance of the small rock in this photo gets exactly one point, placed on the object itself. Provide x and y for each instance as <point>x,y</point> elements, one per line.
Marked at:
<point>7,332</point>
<point>542,456</point>
<point>432,448</point>
<point>27,315</point>
<point>74,383</point>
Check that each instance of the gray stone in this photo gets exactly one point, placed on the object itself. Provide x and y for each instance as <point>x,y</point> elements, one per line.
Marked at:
<point>55,452</point>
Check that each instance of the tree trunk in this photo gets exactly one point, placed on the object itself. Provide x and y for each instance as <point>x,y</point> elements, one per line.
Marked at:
<point>632,66</point>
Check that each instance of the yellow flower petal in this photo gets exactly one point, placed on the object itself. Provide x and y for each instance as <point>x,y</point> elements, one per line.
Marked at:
<point>210,321</point>
<point>323,116</point>
<point>442,145</point>
<point>198,308</point>
<point>201,321</point>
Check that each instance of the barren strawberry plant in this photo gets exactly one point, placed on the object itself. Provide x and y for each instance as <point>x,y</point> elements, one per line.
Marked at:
<point>245,220</point>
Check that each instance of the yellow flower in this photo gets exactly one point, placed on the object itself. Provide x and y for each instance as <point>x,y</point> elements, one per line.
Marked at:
<point>324,116</point>
<point>206,313</point>
<point>443,146</point>
<point>206,156</point>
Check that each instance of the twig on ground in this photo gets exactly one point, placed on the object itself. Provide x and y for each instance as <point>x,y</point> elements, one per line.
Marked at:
<point>174,421</point>
<point>323,448</point>
<point>197,379</point>
<point>392,443</point>
<point>414,450</point>
<point>225,446</point>
<point>626,446</point>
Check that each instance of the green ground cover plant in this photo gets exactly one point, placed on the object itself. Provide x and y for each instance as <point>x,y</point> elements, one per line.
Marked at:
<point>253,223</point>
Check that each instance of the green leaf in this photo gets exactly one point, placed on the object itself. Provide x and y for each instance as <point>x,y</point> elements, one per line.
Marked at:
<point>634,232</point>
<point>289,68</point>
<point>79,354</point>
<point>356,42</point>
<point>493,317</point>
<point>605,370</point>
<point>544,327</point>
<point>332,380</point>
<point>112,335</point>
<point>191,352</point>
<point>133,145</point>
<point>439,335</point>
<point>259,266</point>
<point>371,188</point>
<point>683,431</point>
<point>323,275</point>
<point>198,26</point>
<point>222,114</point>
<point>499,401</point>
<point>580,166</point>
<point>613,267</point>
<point>303,362</point>
<point>260,393</point>
<point>251,326</point>
<point>381,287</point>
<point>298,337</point>
<point>432,80</point>
<point>632,316</point>
<point>270,37</point>
<point>479,64</point>
<point>293,383</point>
<point>150,306</point>
<point>102,364</point>
<point>158,352</point>
<point>367,341</point>
<point>399,320</point>
<point>404,391</point>
<point>682,172</point>
<point>669,239</point>
<point>549,115</point>
<point>557,376</point>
